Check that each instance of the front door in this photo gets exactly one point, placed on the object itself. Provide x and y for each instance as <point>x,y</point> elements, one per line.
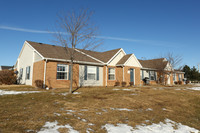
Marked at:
<point>132,75</point>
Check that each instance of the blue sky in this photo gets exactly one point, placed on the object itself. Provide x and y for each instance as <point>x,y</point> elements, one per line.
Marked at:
<point>147,28</point>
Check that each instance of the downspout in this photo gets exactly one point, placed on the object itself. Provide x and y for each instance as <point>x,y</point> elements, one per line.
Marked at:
<point>106,75</point>
<point>45,67</point>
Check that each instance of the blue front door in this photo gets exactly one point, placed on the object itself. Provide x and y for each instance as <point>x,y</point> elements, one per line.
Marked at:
<point>131,75</point>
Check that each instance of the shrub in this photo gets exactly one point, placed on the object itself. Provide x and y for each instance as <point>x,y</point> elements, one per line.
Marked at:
<point>123,84</point>
<point>7,77</point>
<point>175,82</point>
<point>179,82</point>
<point>39,83</point>
<point>117,83</point>
<point>131,83</point>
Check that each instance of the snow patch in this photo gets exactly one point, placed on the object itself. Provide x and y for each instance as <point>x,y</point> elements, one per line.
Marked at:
<point>65,94</point>
<point>122,89</point>
<point>116,89</point>
<point>52,127</point>
<point>84,110</point>
<point>57,114</point>
<point>76,93</point>
<point>166,127</point>
<point>126,89</point>
<point>121,109</point>
<point>194,88</point>
<point>3,92</point>
<point>164,109</point>
<point>134,94</point>
<point>90,124</point>
<point>149,109</point>
<point>120,128</point>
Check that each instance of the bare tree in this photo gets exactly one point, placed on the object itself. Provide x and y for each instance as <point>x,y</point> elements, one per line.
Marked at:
<point>166,66</point>
<point>75,30</point>
<point>174,60</point>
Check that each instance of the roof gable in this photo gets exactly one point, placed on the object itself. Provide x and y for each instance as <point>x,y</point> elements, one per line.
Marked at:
<point>129,60</point>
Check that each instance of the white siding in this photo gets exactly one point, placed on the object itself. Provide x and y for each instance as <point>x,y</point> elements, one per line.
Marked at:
<point>26,59</point>
<point>37,57</point>
<point>83,82</point>
<point>117,58</point>
<point>132,61</point>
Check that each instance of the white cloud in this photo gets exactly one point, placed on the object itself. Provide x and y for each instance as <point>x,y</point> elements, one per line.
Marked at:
<point>147,42</point>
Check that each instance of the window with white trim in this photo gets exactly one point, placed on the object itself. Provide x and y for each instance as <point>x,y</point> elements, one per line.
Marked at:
<point>62,71</point>
<point>111,73</point>
<point>28,72</point>
<point>91,72</point>
<point>20,73</point>
<point>152,75</point>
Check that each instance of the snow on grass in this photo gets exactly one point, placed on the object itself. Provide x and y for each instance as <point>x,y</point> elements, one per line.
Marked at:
<point>149,109</point>
<point>195,88</point>
<point>76,93</point>
<point>126,89</point>
<point>166,127</point>
<point>133,94</point>
<point>84,110</point>
<point>52,127</point>
<point>121,109</point>
<point>57,114</point>
<point>120,128</point>
<point>116,89</point>
<point>122,89</point>
<point>90,124</point>
<point>3,92</point>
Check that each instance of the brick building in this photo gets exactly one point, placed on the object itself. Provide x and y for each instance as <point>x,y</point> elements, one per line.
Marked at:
<point>51,64</point>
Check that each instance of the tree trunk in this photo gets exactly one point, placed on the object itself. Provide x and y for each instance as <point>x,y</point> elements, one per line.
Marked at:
<point>71,78</point>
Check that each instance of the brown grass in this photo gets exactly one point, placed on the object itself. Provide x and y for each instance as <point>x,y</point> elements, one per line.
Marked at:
<point>19,113</point>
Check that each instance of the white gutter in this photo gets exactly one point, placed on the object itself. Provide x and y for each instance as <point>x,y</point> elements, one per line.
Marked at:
<point>45,67</point>
<point>91,63</point>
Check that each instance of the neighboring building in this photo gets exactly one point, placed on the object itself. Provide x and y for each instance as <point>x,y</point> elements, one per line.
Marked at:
<point>51,64</point>
<point>6,68</point>
<point>155,69</point>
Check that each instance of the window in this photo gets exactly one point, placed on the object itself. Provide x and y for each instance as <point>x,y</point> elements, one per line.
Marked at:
<point>179,77</point>
<point>28,72</point>
<point>91,72</point>
<point>174,76</point>
<point>141,74</point>
<point>21,73</point>
<point>152,75</point>
<point>111,73</point>
<point>62,71</point>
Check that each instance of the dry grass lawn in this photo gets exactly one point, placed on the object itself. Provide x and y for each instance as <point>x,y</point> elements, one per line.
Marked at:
<point>99,106</point>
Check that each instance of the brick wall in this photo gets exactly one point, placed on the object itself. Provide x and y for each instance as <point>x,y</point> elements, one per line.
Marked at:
<point>119,75</point>
<point>38,71</point>
<point>51,76</point>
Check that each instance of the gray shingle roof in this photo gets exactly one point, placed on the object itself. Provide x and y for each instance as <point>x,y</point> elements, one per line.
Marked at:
<point>154,63</point>
<point>58,52</point>
<point>124,59</point>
